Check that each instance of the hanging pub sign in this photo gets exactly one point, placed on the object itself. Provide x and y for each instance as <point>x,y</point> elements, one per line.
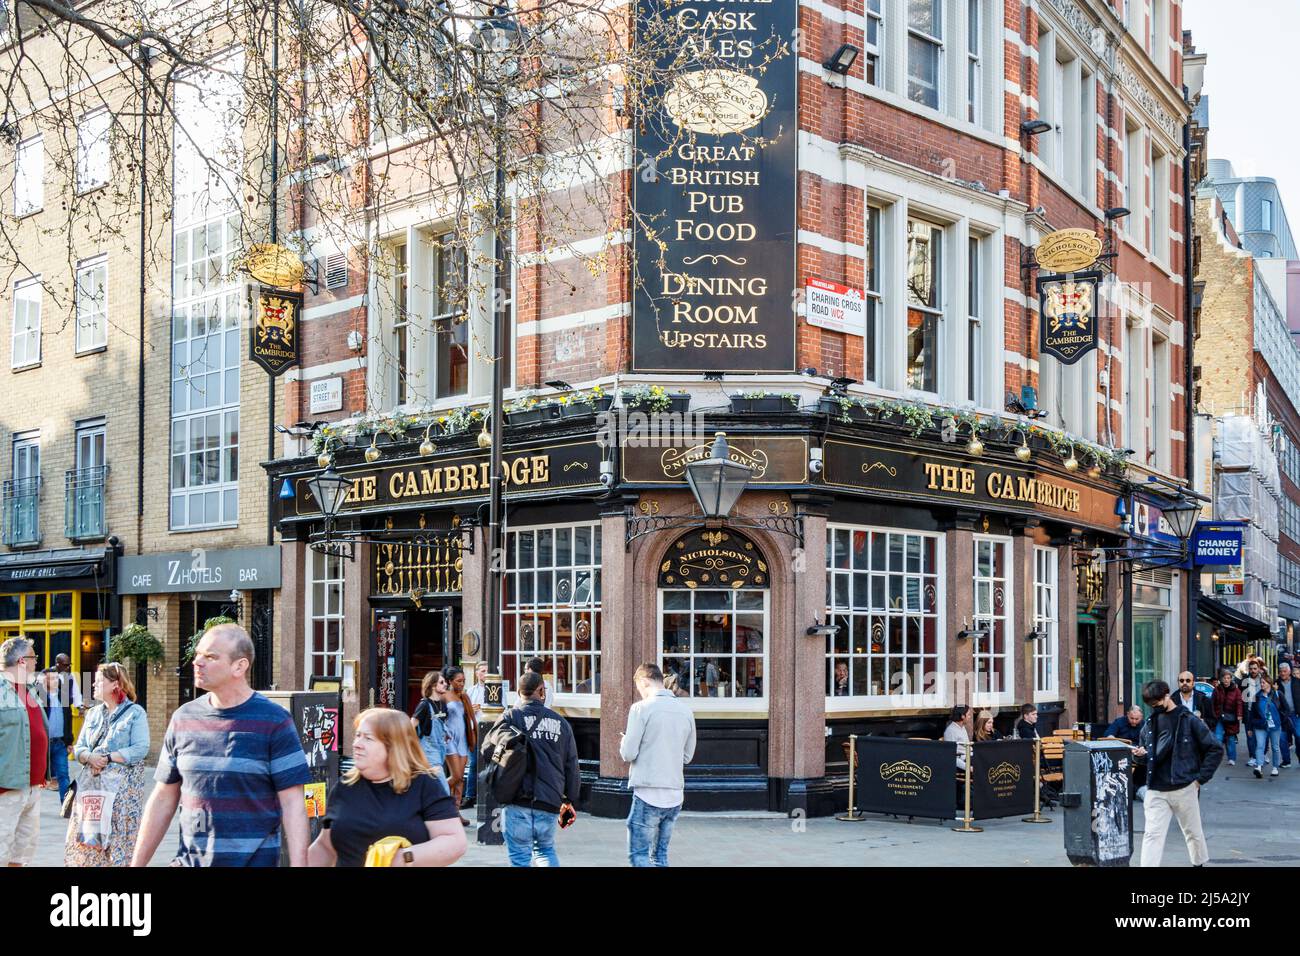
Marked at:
<point>273,333</point>
<point>1067,309</point>
<point>715,187</point>
<point>273,264</point>
<point>1068,250</point>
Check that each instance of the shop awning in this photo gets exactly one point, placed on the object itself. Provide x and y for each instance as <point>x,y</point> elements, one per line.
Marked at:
<point>1230,619</point>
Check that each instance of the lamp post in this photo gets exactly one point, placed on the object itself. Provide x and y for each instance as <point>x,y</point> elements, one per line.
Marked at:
<point>497,37</point>
<point>329,488</point>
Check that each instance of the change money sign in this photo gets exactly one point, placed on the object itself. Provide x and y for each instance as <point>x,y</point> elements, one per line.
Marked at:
<point>715,188</point>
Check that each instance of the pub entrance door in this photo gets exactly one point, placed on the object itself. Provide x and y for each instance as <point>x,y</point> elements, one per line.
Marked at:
<point>408,643</point>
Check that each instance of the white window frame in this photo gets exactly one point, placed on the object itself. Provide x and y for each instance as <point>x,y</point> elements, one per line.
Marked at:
<point>1160,395</point>
<point>1047,616</point>
<point>26,448</point>
<point>27,294</point>
<point>92,444</point>
<point>935,40</point>
<point>975,62</point>
<point>332,586</point>
<point>29,176</point>
<point>757,705</point>
<point>1087,134</point>
<point>1135,185</point>
<point>873,54</point>
<point>1160,199</point>
<point>1007,695</point>
<point>873,339</point>
<point>94,159</point>
<point>399,332</point>
<point>1266,215</point>
<point>939,269</point>
<point>976,337</point>
<point>444,242</point>
<point>509,583</point>
<point>92,315</point>
<point>837,614</point>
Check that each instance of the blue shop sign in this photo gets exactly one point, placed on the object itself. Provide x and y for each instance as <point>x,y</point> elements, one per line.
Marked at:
<point>1217,544</point>
<point>1149,524</point>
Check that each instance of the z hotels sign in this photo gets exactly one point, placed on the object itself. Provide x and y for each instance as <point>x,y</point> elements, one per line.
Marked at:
<point>715,187</point>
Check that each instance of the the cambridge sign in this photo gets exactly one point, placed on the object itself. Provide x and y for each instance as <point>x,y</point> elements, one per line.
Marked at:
<point>714,248</point>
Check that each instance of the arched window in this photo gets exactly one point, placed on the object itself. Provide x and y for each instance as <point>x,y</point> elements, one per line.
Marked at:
<point>714,616</point>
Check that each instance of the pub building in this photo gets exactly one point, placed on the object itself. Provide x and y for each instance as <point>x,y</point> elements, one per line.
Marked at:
<point>942,573</point>
<point>940,344</point>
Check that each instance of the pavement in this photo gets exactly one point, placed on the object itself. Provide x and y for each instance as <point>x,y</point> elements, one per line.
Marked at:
<point>1247,823</point>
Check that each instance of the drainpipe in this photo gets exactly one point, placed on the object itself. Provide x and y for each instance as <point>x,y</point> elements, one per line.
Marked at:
<point>1189,399</point>
<point>145,54</point>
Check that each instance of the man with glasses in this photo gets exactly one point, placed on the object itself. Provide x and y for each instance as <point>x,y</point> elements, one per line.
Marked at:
<point>1193,699</point>
<point>24,753</point>
<point>1181,756</point>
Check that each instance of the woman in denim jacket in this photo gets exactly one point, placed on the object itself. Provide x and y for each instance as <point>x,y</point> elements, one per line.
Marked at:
<point>1265,722</point>
<point>112,747</point>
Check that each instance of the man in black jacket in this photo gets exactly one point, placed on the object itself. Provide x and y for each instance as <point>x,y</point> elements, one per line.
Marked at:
<point>1194,700</point>
<point>1181,756</point>
<point>551,782</point>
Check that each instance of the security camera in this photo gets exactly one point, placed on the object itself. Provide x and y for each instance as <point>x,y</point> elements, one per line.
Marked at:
<point>815,464</point>
<point>607,474</point>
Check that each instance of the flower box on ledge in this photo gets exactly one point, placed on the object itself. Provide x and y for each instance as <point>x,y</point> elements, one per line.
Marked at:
<point>580,409</point>
<point>677,405</point>
<point>532,416</point>
<point>828,405</point>
<point>764,405</point>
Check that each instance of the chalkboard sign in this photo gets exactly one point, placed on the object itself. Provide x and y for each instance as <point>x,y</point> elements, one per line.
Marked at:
<point>913,778</point>
<point>1002,779</point>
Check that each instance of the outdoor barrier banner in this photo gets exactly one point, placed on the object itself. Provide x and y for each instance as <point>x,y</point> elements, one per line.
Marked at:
<point>913,778</point>
<point>1002,779</point>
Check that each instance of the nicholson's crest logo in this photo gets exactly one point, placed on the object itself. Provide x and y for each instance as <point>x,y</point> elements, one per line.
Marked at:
<point>905,771</point>
<point>715,102</point>
<point>1004,773</point>
<point>1069,306</point>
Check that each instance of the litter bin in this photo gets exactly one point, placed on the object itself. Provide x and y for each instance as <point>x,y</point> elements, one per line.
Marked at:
<point>1097,803</point>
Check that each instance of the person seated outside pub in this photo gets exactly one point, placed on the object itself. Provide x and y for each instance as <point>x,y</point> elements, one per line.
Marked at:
<point>958,732</point>
<point>984,729</point>
<point>1127,726</point>
<point>1027,725</point>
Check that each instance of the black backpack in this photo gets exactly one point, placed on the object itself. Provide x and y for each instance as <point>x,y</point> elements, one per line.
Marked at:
<point>505,753</point>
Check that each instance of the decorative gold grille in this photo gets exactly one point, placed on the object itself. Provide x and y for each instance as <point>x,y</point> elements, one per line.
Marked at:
<point>430,565</point>
<point>1092,584</point>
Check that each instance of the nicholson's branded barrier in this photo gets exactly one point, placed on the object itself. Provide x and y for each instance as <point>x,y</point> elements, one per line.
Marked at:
<point>911,778</point>
<point>1002,779</point>
<point>920,778</point>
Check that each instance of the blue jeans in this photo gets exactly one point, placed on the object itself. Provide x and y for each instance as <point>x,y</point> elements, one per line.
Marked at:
<point>1290,736</point>
<point>1228,740</point>
<point>1269,738</point>
<point>648,831</point>
<point>59,766</point>
<point>530,836</point>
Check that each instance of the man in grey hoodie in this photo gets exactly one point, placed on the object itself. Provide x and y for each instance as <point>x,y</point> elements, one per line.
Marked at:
<point>659,741</point>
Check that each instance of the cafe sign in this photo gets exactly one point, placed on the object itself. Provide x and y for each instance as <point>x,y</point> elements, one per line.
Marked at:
<point>1068,250</point>
<point>273,334</point>
<point>907,475</point>
<point>715,143</point>
<point>436,481</point>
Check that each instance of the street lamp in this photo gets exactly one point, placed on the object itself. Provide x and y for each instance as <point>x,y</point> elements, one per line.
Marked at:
<point>1181,516</point>
<point>329,488</point>
<point>717,482</point>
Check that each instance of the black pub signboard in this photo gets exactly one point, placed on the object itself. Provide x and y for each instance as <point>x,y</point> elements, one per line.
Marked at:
<point>273,333</point>
<point>715,188</point>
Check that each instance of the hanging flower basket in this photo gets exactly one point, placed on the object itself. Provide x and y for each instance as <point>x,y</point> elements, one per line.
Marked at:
<point>849,410</point>
<point>763,404</point>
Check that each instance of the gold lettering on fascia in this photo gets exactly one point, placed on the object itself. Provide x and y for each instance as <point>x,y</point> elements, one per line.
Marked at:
<point>450,479</point>
<point>956,479</point>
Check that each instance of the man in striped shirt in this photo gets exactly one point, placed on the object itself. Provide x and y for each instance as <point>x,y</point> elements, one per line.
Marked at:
<point>233,762</point>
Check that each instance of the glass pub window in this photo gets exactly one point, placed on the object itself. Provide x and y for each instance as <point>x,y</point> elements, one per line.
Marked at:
<point>551,606</point>
<point>924,303</point>
<point>325,622</point>
<point>871,282</point>
<point>992,584</point>
<point>883,590</point>
<point>974,338</point>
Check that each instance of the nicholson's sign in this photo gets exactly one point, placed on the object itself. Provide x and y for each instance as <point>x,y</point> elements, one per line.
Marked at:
<point>430,482</point>
<point>715,187</point>
<point>774,460</point>
<point>979,484</point>
<point>1068,250</point>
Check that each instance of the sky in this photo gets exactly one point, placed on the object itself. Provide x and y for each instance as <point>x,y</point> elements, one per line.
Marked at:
<point>1251,76</point>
